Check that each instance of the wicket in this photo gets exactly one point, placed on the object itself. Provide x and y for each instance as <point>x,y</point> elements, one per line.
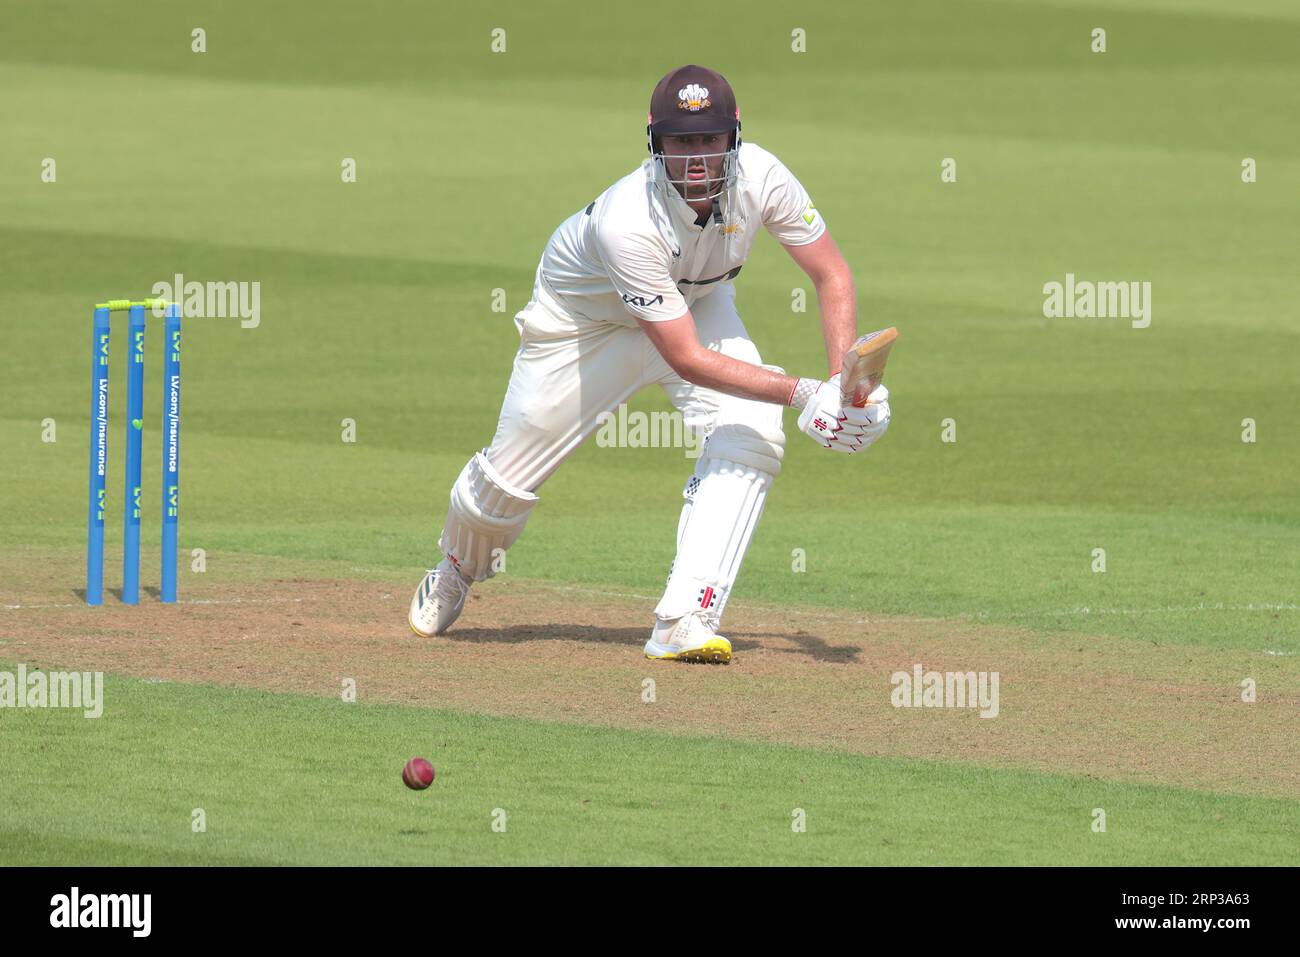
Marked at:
<point>171,425</point>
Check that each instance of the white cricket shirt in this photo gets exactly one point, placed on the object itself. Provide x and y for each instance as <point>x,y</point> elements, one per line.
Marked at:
<point>626,256</point>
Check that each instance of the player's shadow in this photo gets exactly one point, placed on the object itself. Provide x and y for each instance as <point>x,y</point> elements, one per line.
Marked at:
<point>803,643</point>
<point>148,590</point>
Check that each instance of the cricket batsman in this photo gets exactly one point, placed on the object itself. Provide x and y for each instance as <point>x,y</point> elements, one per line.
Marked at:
<point>637,288</point>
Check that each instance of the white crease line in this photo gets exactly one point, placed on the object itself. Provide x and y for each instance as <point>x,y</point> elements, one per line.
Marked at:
<point>241,601</point>
<point>1168,610</point>
<point>976,615</point>
<point>74,605</point>
<point>191,601</point>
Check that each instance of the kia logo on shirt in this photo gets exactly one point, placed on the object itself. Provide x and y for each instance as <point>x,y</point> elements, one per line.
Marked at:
<point>642,301</point>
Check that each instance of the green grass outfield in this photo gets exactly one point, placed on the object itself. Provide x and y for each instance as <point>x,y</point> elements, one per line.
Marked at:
<point>284,779</point>
<point>376,302</point>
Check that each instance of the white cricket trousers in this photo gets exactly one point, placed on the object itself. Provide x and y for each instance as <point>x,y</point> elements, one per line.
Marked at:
<point>570,371</point>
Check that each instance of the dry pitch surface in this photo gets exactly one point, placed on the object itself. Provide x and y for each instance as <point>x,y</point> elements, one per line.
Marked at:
<point>1068,703</point>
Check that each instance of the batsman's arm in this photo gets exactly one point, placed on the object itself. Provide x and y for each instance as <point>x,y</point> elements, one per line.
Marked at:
<point>836,298</point>
<point>679,344</point>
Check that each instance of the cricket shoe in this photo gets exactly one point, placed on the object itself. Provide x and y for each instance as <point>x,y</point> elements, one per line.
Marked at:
<point>438,601</point>
<point>689,638</point>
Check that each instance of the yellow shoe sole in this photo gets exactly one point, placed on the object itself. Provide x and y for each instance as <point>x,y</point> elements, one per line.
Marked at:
<point>715,652</point>
<point>416,631</point>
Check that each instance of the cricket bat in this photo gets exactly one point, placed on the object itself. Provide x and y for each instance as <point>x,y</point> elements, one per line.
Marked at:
<point>864,365</point>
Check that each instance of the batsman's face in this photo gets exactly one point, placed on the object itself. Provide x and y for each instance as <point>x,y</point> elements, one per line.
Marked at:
<point>694,163</point>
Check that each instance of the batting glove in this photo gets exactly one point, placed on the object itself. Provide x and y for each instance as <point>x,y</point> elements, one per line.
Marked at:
<point>831,424</point>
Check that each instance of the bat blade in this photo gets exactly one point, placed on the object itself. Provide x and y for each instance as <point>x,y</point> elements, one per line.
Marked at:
<point>864,365</point>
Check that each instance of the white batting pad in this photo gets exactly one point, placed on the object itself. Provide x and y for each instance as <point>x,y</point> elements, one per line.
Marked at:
<point>486,514</point>
<point>724,501</point>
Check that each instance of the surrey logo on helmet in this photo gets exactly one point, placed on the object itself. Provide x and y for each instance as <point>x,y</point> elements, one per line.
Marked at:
<point>693,97</point>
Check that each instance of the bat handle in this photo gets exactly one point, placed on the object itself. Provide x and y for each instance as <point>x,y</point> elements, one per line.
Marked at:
<point>859,398</point>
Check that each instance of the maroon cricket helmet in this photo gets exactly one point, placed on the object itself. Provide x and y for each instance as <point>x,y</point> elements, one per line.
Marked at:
<point>693,99</point>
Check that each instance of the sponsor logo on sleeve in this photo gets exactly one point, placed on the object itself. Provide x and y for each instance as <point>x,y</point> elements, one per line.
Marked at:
<point>642,301</point>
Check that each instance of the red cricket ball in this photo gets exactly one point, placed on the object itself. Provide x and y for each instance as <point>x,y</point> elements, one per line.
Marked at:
<point>418,774</point>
